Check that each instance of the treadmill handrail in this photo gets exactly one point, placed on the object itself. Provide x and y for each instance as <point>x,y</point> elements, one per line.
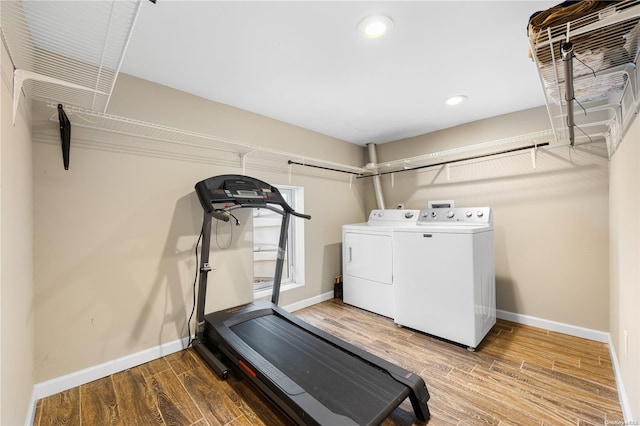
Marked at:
<point>220,215</point>
<point>302,215</point>
<point>260,206</point>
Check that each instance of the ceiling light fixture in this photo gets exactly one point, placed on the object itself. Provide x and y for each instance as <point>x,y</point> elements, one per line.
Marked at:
<point>375,26</point>
<point>455,100</point>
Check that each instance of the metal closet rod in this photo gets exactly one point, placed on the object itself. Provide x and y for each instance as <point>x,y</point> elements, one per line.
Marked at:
<point>507,151</point>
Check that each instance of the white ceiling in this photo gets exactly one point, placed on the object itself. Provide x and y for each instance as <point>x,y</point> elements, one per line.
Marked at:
<point>302,62</point>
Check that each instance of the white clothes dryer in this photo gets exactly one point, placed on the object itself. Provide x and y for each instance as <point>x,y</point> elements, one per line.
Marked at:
<point>367,260</point>
<point>444,274</point>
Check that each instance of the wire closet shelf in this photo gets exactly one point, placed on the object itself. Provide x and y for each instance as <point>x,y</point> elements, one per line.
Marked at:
<point>586,55</point>
<point>67,51</point>
<point>156,139</point>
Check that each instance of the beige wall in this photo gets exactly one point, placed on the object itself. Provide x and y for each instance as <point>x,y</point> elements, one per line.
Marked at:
<point>115,234</point>
<point>625,262</point>
<point>16,256</point>
<point>551,223</point>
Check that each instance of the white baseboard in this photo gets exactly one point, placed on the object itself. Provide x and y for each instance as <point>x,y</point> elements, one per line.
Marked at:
<point>622,393</point>
<point>31,410</point>
<point>309,302</point>
<point>571,330</point>
<point>68,381</point>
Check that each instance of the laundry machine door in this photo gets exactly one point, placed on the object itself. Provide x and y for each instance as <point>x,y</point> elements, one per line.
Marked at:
<point>434,283</point>
<point>367,270</point>
<point>368,256</point>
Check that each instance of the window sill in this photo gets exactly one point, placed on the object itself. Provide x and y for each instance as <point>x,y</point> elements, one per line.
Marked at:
<point>266,293</point>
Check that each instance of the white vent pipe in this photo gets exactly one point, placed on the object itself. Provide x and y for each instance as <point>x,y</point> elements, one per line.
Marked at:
<point>377,186</point>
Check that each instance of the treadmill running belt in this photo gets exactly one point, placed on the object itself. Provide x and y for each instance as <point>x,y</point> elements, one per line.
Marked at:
<point>342,382</point>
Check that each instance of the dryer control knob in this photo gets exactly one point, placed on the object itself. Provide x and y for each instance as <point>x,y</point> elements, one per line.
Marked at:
<point>480,214</point>
<point>450,214</point>
<point>408,215</point>
<point>469,214</point>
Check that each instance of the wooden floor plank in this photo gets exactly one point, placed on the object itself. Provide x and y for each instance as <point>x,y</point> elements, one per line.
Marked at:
<point>548,396</point>
<point>602,374</point>
<point>174,403</point>
<point>154,367</point>
<point>210,394</point>
<point>461,406</point>
<point>240,421</point>
<point>182,361</point>
<point>38,414</point>
<point>498,403</point>
<point>61,409</point>
<point>563,382</point>
<point>519,375</point>
<point>136,403</point>
<point>98,404</point>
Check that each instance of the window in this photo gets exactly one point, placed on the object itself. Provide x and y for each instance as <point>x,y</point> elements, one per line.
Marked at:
<point>266,233</point>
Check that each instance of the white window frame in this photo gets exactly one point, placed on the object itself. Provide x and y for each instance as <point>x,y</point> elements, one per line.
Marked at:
<point>295,243</point>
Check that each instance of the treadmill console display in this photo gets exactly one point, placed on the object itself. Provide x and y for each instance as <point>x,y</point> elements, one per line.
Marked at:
<point>237,189</point>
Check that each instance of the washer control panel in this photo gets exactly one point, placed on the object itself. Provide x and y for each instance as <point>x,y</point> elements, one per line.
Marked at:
<point>469,215</point>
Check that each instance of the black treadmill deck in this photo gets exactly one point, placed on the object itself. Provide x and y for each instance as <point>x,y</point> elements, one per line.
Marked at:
<point>315,377</point>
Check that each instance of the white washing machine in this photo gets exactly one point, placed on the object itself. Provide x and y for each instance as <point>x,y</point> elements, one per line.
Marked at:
<point>444,274</point>
<point>367,260</point>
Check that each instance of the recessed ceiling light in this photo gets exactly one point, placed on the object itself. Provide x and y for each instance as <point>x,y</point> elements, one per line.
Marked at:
<point>455,100</point>
<point>375,26</point>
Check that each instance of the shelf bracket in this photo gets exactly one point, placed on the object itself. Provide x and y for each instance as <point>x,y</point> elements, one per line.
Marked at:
<point>534,151</point>
<point>243,159</point>
<point>65,135</point>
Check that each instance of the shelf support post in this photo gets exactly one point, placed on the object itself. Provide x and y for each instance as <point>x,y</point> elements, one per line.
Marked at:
<point>567,59</point>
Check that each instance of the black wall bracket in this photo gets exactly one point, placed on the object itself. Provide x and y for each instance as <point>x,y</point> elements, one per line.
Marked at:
<point>65,135</point>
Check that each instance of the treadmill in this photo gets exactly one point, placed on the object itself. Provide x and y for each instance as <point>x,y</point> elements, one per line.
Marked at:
<point>312,376</point>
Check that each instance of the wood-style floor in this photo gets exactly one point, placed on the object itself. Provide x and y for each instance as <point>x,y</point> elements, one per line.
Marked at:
<point>519,375</point>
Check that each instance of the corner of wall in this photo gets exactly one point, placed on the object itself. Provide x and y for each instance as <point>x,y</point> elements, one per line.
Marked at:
<point>17,364</point>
